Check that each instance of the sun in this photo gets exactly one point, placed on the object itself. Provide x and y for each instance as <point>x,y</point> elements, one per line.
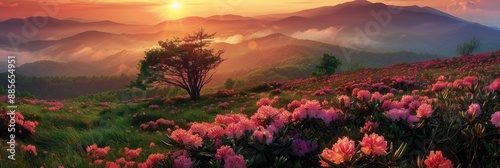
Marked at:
<point>175,5</point>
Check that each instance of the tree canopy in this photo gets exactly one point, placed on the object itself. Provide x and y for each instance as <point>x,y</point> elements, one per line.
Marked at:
<point>327,66</point>
<point>184,62</point>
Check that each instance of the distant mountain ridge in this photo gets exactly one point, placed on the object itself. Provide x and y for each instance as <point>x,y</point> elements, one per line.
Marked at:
<point>253,43</point>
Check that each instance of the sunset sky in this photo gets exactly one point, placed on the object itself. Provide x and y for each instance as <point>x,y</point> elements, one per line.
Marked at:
<point>154,11</point>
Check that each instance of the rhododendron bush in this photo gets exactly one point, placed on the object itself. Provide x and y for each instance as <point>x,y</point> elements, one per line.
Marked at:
<point>445,127</point>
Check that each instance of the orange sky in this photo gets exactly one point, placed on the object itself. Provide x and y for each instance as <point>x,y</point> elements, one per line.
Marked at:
<point>154,11</point>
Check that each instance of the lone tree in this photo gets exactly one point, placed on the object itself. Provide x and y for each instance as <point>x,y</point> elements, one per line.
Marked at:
<point>183,62</point>
<point>469,47</point>
<point>327,66</point>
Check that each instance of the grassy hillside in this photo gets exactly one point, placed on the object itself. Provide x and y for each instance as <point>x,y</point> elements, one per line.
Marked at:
<point>314,113</point>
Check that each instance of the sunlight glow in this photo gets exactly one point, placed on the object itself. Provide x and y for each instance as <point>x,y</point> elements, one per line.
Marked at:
<point>175,5</point>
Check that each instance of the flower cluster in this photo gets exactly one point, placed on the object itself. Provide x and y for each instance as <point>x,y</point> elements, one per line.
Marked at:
<point>97,153</point>
<point>159,124</point>
<point>29,149</point>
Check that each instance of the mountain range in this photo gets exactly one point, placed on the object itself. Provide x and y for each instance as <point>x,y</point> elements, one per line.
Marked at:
<point>358,32</point>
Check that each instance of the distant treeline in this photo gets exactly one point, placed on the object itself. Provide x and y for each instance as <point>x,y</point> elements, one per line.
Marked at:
<point>65,87</point>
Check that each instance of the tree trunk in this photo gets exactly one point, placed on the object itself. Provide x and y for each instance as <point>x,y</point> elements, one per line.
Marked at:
<point>195,94</point>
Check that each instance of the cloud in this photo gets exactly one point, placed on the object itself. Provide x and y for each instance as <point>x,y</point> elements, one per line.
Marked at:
<point>234,39</point>
<point>473,4</point>
<point>238,38</point>
<point>327,35</point>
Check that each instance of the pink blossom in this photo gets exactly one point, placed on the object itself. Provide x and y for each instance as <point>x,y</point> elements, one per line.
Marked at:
<point>406,99</point>
<point>397,114</point>
<point>328,115</point>
<point>437,160</point>
<point>183,162</point>
<point>424,110</point>
<point>495,86</point>
<point>474,109</point>
<point>224,152</point>
<point>96,152</point>
<point>293,105</point>
<point>31,149</point>
<point>369,127</point>
<point>495,119</point>
<point>112,165</point>
<point>377,97</point>
<point>345,100</point>
<point>235,161</point>
<point>132,154</point>
<point>363,95</point>
<point>438,86</point>
<point>470,80</point>
<point>121,160</point>
<point>187,138</point>
<point>260,133</point>
<point>373,144</point>
<point>341,151</point>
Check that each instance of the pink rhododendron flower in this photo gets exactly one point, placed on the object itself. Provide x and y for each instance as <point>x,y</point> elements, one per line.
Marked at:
<point>345,100</point>
<point>187,138</point>
<point>373,144</point>
<point>31,149</point>
<point>369,127</point>
<point>470,80</point>
<point>121,161</point>
<point>293,105</point>
<point>377,97</point>
<point>438,86</point>
<point>495,119</point>
<point>363,95</point>
<point>183,161</point>
<point>341,151</point>
<point>425,110</point>
<point>224,152</point>
<point>397,114</point>
<point>437,160</point>
<point>495,86</point>
<point>260,133</point>
<point>474,109</point>
<point>406,99</point>
<point>235,161</point>
<point>132,154</point>
<point>112,165</point>
<point>96,152</point>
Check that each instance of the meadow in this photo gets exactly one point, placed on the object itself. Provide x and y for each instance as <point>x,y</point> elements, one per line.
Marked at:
<point>439,113</point>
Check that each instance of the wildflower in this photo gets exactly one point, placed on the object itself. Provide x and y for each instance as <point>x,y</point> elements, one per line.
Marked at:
<point>345,100</point>
<point>495,119</point>
<point>474,109</point>
<point>183,161</point>
<point>495,86</point>
<point>31,149</point>
<point>397,114</point>
<point>369,127</point>
<point>341,151</point>
<point>363,95</point>
<point>112,165</point>
<point>132,154</point>
<point>437,160</point>
<point>224,152</point>
<point>187,138</point>
<point>373,144</point>
<point>235,161</point>
<point>470,80</point>
<point>260,133</point>
<point>424,110</point>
